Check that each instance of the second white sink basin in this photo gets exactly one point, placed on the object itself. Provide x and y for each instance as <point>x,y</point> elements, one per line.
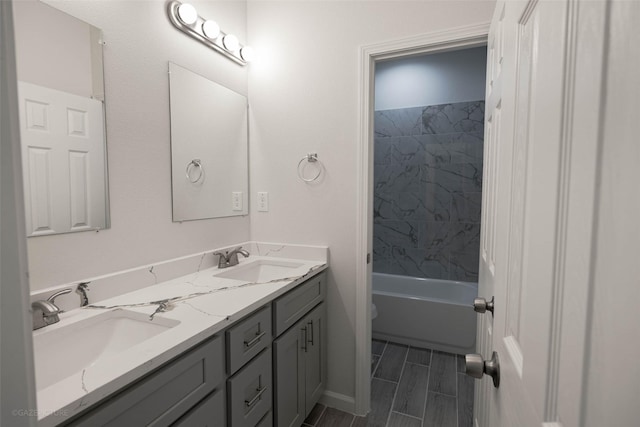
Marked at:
<point>262,271</point>
<point>64,351</point>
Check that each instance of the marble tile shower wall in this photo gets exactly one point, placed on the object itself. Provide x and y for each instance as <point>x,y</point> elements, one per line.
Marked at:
<point>427,190</point>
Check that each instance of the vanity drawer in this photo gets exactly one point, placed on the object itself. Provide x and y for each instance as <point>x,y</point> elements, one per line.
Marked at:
<point>249,392</point>
<point>248,338</point>
<point>165,395</point>
<point>208,413</point>
<point>291,307</point>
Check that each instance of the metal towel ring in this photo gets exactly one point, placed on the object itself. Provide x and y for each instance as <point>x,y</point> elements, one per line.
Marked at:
<point>195,163</point>
<point>311,158</point>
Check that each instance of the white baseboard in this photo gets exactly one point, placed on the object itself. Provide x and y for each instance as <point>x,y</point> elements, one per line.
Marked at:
<point>338,401</point>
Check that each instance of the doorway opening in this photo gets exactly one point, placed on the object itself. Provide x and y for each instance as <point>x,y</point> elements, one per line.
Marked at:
<point>427,183</point>
<point>420,198</point>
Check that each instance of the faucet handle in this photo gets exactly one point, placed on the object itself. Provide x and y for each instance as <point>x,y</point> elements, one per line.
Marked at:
<point>52,298</point>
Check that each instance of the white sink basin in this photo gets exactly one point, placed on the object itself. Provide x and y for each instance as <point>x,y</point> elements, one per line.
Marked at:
<point>64,351</point>
<point>262,271</point>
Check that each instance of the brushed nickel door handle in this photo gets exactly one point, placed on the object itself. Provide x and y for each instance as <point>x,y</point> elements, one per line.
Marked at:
<point>476,367</point>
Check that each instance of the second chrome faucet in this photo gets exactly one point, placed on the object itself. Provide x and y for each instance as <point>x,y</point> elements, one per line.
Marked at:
<point>230,258</point>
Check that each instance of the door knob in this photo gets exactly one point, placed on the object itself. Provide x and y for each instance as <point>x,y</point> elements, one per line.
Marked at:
<point>480,305</point>
<point>475,367</point>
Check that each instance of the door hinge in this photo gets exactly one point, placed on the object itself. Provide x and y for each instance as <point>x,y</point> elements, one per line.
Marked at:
<point>368,258</point>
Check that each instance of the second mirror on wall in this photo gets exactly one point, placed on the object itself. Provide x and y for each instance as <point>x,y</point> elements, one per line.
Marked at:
<point>209,148</point>
<point>62,126</point>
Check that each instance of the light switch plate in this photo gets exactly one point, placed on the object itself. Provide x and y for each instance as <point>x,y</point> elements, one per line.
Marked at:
<point>263,201</point>
<point>236,200</point>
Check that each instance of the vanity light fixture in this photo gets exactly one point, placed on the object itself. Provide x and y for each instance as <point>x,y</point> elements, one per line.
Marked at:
<point>185,17</point>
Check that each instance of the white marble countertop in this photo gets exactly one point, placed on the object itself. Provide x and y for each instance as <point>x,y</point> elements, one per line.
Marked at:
<point>203,304</point>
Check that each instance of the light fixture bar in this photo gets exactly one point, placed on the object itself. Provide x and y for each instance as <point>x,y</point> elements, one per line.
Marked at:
<point>195,30</point>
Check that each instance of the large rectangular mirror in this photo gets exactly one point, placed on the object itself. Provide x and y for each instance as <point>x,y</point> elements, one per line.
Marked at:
<point>62,125</point>
<point>209,148</point>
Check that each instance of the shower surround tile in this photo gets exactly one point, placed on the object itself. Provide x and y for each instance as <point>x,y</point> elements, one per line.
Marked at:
<point>428,190</point>
<point>449,118</point>
<point>401,122</point>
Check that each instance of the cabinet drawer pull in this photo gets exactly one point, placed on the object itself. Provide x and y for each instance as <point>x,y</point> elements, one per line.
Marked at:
<point>256,397</point>
<point>255,340</point>
<point>310,323</point>
<point>304,340</point>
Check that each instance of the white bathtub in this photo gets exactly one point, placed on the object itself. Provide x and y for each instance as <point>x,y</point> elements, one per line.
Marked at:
<point>430,313</point>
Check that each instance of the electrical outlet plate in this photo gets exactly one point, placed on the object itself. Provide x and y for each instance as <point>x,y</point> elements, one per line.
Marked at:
<point>236,200</point>
<point>263,201</point>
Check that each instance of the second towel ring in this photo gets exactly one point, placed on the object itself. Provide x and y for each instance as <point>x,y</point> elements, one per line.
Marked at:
<point>194,164</point>
<point>311,158</point>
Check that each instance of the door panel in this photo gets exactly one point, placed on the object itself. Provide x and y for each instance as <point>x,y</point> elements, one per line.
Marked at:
<point>519,227</point>
<point>63,159</point>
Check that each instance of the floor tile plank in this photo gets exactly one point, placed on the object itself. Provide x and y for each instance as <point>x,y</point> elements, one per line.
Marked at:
<point>390,365</point>
<point>440,411</point>
<point>382,393</point>
<point>332,417</point>
<point>442,378</point>
<point>465,400</point>
<point>399,420</point>
<point>421,356</point>
<point>412,390</point>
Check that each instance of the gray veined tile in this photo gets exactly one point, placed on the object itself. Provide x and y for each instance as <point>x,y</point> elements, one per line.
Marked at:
<point>460,363</point>
<point>400,420</point>
<point>464,266</point>
<point>437,202</point>
<point>466,207</point>
<point>440,411</point>
<point>390,365</point>
<point>332,417</point>
<point>382,150</point>
<point>407,261</point>
<point>421,356</point>
<point>382,393</point>
<point>412,390</point>
<point>465,400</point>
<point>464,237</point>
<point>405,234</point>
<point>398,122</point>
<point>442,378</point>
<point>456,117</point>
<point>394,178</point>
<point>407,150</point>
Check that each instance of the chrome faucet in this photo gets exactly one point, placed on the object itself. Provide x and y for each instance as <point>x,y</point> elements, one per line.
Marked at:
<point>46,313</point>
<point>230,258</point>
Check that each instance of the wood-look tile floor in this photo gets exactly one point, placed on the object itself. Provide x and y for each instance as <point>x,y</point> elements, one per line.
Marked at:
<point>410,387</point>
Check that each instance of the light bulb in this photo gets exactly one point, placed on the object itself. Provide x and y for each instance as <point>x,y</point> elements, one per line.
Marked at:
<point>247,53</point>
<point>211,29</point>
<point>187,13</point>
<point>231,42</point>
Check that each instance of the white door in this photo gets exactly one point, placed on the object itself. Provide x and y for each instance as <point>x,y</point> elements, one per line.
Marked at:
<point>63,160</point>
<point>525,215</point>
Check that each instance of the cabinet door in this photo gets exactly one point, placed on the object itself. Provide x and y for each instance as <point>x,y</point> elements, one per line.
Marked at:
<point>208,413</point>
<point>315,360</point>
<point>289,377</point>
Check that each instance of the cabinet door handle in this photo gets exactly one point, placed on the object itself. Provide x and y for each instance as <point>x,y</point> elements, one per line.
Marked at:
<point>255,340</point>
<point>304,341</point>
<point>310,324</point>
<point>251,402</point>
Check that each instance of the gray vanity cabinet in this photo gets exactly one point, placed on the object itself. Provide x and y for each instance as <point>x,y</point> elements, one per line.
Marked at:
<point>169,393</point>
<point>262,383</point>
<point>299,355</point>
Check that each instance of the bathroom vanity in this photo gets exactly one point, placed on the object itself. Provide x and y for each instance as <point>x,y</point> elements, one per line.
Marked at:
<point>239,346</point>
